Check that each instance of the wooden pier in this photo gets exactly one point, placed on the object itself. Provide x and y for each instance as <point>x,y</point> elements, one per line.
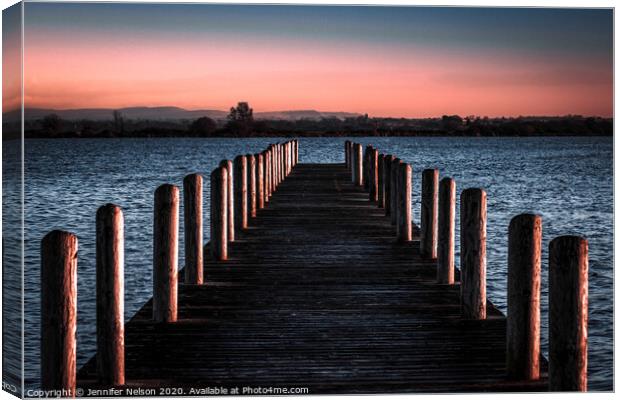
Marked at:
<point>319,292</point>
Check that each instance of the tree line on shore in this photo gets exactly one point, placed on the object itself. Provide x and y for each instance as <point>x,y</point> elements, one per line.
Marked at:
<point>241,123</point>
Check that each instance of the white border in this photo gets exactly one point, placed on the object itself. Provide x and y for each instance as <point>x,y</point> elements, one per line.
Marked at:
<point>480,3</point>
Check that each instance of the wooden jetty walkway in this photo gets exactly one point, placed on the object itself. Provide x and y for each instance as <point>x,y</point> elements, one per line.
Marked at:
<point>320,292</point>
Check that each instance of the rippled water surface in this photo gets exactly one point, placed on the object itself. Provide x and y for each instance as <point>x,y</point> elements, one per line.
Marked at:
<point>567,180</point>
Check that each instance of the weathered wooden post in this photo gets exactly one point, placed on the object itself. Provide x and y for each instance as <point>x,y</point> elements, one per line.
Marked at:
<point>346,154</point>
<point>267,175</point>
<point>58,311</point>
<point>282,161</point>
<point>387,181</point>
<point>251,185</point>
<point>523,319</point>
<point>446,222</point>
<point>272,175</point>
<point>358,178</point>
<point>289,157</point>
<point>365,174</point>
<point>293,144</point>
<point>394,190</point>
<point>380,181</point>
<point>241,192</point>
<point>353,160</point>
<point>227,165</point>
<point>428,215</point>
<point>274,166</point>
<point>568,314</point>
<point>165,253</point>
<point>285,159</point>
<point>473,253</point>
<point>265,155</point>
<point>366,168</point>
<point>192,205</point>
<point>219,213</point>
<point>278,163</point>
<point>110,261</point>
<point>296,152</point>
<point>289,160</point>
<point>373,178</point>
<point>403,226</point>
<point>351,156</point>
<point>260,181</point>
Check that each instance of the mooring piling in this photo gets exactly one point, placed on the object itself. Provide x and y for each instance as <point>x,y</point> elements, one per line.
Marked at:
<point>227,165</point>
<point>568,314</point>
<point>358,177</point>
<point>380,184</point>
<point>267,175</point>
<point>394,190</point>
<point>387,183</point>
<point>240,192</point>
<point>366,167</point>
<point>473,253</point>
<point>278,164</point>
<point>523,316</point>
<point>219,213</point>
<point>296,152</point>
<point>192,207</point>
<point>373,177</point>
<point>428,214</point>
<point>445,234</point>
<point>58,310</point>
<point>251,178</point>
<point>404,217</point>
<point>165,253</point>
<point>110,261</point>
<point>260,181</point>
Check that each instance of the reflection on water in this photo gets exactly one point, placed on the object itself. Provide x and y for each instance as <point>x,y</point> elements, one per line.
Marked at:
<point>567,180</point>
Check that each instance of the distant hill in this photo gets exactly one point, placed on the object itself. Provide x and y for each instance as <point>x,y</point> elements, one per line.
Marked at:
<point>304,114</point>
<point>147,113</point>
<point>168,113</point>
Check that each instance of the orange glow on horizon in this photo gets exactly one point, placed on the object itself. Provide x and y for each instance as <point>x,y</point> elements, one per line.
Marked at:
<point>201,74</point>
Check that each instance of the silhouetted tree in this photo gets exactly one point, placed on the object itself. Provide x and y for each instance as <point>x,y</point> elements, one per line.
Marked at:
<point>242,112</point>
<point>451,122</point>
<point>51,124</point>
<point>203,126</point>
<point>240,119</point>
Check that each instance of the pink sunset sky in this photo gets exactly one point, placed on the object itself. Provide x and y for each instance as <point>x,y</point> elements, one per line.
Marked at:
<point>78,65</point>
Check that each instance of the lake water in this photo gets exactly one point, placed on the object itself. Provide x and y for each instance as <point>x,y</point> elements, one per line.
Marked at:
<point>569,181</point>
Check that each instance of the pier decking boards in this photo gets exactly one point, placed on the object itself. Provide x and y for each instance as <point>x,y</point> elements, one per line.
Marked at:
<point>318,294</point>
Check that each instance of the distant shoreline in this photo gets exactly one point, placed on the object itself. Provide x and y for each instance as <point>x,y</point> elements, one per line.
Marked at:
<point>244,125</point>
<point>303,135</point>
